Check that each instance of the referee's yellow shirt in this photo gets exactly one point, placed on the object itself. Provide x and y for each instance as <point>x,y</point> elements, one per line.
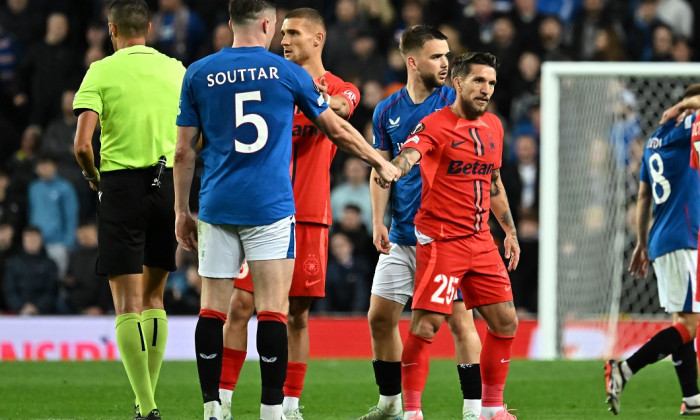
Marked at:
<point>135,91</point>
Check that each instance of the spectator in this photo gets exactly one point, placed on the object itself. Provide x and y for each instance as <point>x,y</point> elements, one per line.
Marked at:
<point>608,46</point>
<point>662,41</point>
<point>476,24</point>
<point>53,209</point>
<point>507,48</point>
<point>678,14</point>
<point>186,302</point>
<point>84,291</point>
<point>626,128</point>
<point>584,30</point>
<point>527,21</point>
<point>347,286</point>
<point>639,30</point>
<point>550,41</point>
<point>31,278</point>
<point>355,190</point>
<point>25,23</point>
<point>12,208</point>
<point>363,61</point>
<point>352,226</point>
<point>7,248</point>
<point>682,52</point>
<point>20,166</point>
<point>46,70</point>
<point>177,31</point>
<point>341,33</point>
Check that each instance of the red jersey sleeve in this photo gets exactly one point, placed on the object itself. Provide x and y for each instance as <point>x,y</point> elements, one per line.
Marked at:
<point>695,143</point>
<point>419,140</point>
<point>347,90</point>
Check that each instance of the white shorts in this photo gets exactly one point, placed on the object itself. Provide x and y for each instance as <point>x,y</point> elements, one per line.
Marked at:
<point>676,280</point>
<point>222,248</point>
<point>393,277</point>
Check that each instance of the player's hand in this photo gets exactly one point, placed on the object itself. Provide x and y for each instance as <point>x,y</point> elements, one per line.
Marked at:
<point>323,87</point>
<point>640,262</point>
<point>387,173</point>
<point>380,238</point>
<point>512,250</point>
<point>186,231</point>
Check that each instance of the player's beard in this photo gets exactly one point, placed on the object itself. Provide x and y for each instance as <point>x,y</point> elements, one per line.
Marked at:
<point>472,110</point>
<point>432,81</point>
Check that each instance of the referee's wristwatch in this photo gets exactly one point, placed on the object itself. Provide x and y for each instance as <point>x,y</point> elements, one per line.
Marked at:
<point>91,178</point>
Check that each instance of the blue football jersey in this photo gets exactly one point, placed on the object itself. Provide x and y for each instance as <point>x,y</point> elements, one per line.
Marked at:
<point>675,188</point>
<point>394,119</point>
<point>243,100</point>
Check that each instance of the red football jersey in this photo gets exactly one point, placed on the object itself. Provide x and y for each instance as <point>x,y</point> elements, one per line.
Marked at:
<point>312,154</point>
<point>457,159</point>
<point>695,143</point>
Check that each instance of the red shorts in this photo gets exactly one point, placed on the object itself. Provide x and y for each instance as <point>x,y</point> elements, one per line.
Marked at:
<point>309,278</point>
<point>472,264</point>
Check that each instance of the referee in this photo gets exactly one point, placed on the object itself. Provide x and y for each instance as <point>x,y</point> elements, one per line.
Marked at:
<point>135,94</point>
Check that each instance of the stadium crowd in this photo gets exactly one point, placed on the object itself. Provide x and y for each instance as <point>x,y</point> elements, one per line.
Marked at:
<point>47,211</point>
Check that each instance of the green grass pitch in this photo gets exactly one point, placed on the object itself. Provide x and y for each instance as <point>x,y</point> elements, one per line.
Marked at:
<point>335,389</point>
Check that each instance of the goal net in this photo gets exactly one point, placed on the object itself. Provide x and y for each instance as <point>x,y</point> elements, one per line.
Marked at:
<point>596,118</point>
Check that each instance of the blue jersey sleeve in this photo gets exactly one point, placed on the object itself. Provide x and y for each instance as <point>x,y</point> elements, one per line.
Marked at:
<point>187,115</point>
<point>643,171</point>
<point>379,135</point>
<point>306,95</point>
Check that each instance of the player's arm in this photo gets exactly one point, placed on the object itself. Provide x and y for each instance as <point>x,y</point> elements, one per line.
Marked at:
<point>405,160</point>
<point>82,147</point>
<point>681,109</point>
<point>501,209</point>
<point>183,171</point>
<point>338,103</point>
<point>379,198</point>
<point>640,257</point>
<point>346,137</point>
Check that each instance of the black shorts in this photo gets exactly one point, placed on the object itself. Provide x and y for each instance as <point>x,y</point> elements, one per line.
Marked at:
<point>135,222</point>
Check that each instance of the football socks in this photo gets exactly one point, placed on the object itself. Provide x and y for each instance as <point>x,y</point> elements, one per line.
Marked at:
<point>495,361</point>
<point>659,346</point>
<point>415,364</point>
<point>132,349</point>
<point>209,345</point>
<point>685,362</point>
<point>231,366</point>
<point>154,323</point>
<point>272,347</point>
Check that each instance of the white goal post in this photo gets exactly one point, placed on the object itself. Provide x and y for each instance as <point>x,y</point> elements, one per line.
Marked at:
<point>586,184</point>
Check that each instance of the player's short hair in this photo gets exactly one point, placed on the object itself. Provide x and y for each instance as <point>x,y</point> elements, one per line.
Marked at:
<point>309,14</point>
<point>461,66</point>
<point>243,12</point>
<point>692,90</point>
<point>416,36</point>
<point>130,17</point>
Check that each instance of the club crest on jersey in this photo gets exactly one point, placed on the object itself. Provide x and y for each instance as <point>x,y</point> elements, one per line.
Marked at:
<point>491,142</point>
<point>417,129</point>
<point>312,265</point>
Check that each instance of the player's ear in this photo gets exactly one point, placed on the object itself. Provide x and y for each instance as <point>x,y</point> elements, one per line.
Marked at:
<point>411,62</point>
<point>319,39</point>
<point>148,31</point>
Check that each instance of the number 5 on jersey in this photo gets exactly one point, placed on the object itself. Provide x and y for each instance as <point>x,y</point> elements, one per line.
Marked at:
<point>447,289</point>
<point>255,119</point>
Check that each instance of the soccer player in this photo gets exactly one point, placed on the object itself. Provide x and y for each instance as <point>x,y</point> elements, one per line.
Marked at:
<point>669,185</point>
<point>303,36</point>
<point>134,93</point>
<point>681,110</point>
<point>425,50</point>
<point>241,100</point>
<point>460,148</point>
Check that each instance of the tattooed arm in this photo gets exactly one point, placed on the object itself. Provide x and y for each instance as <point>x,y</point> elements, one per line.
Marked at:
<point>501,209</point>
<point>405,160</point>
<point>183,170</point>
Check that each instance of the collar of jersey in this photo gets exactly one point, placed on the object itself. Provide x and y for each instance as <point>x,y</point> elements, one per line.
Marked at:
<point>134,48</point>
